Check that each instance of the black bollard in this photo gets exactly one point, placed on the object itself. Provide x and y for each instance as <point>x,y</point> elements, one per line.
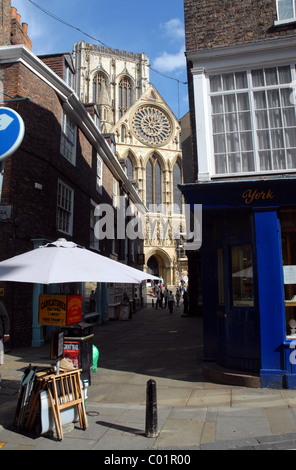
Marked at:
<point>151,409</point>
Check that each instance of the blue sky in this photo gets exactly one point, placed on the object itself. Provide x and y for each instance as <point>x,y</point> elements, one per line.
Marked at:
<point>155,28</point>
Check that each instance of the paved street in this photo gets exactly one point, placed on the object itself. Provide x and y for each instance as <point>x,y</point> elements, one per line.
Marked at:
<point>193,413</point>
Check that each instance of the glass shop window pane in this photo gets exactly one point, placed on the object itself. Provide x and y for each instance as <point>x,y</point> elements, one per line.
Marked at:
<point>288,234</point>
<point>242,276</point>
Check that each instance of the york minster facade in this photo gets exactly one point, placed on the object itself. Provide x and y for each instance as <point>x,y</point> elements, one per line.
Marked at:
<point>148,145</point>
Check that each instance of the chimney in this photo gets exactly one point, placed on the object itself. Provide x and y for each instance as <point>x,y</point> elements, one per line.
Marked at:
<point>19,32</point>
<point>13,12</point>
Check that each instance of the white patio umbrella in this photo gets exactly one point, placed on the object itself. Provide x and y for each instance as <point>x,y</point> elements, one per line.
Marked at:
<point>63,261</point>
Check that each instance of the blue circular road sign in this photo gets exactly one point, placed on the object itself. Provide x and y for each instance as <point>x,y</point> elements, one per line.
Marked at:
<point>12,130</point>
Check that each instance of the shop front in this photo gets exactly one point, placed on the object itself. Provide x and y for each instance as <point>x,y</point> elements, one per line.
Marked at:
<point>248,271</point>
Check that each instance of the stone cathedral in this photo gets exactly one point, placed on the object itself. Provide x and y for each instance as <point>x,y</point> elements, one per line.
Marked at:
<point>148,145</point>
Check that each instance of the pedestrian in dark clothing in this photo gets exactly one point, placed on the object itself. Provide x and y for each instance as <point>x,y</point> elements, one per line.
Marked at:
<point>185,301</point>
<point>92,302</point>
<point>161,298</point>
<point>4,331</point>
<point>166,294</point>
<point>171,300</point>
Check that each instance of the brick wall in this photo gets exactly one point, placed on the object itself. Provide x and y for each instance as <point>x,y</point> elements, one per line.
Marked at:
<point>55,62</point>
<point>38,160</point>
<point>213,23</point>
<point>5,17</point>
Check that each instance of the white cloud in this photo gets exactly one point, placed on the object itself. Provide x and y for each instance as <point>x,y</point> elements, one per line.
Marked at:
<point>167,62</point>
<point>174,28</point>
<point>172,61</point>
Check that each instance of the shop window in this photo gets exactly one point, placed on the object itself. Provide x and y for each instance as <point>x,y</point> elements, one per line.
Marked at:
<point>242,276</point>
<point>288,230</point>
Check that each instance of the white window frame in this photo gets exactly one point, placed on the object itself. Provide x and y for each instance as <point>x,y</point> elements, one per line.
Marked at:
<point>68,76</point>
<point>115,193</point>
<point>250,90</point>
<point>68,139</point>
<point>65,208</point>
<point>291,19</point>
<point>99,182</point>
<point>94,242</point>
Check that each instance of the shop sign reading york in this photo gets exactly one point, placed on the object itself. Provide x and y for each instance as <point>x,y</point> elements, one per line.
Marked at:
<point>12,130</point>
<point>252,195</point>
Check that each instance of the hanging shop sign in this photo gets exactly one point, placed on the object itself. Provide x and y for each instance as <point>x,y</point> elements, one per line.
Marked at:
<point>12,131</point>
<point>60,310</point>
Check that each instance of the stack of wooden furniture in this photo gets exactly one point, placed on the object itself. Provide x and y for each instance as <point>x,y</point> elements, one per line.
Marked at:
<point>64,391</point>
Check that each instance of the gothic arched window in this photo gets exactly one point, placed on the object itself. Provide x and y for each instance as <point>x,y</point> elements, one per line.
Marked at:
<point>177,179</point>
<point>125,95</point>
<point>122,134</point>
<point>153,182</point>
<point>98,81</point>
<point>129,168</point>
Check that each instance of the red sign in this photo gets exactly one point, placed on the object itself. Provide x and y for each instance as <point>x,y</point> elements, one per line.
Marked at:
<point>71,352</point>
<point>74,309</point>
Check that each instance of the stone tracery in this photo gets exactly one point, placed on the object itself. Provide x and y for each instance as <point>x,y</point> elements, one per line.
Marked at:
<point>151,125</point>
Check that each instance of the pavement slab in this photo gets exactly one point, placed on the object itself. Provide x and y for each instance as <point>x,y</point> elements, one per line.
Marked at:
<point>193,412</point>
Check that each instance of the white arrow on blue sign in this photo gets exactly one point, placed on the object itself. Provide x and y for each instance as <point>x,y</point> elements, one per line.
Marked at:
<point>12,131</point>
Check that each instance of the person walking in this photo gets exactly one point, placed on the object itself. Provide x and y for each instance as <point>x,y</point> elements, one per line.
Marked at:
<point>92,302</point>
<point>158,300</point>
<point>178,296</point>
<point>4,331</point>
<point>166,293</point>
<point>171,300</point>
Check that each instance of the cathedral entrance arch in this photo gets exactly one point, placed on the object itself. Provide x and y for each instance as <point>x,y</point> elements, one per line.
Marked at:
<point>152,266</point>
<point>159,264</point>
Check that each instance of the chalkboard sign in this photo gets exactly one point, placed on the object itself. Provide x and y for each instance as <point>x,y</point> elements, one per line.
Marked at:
<point>57,345</point>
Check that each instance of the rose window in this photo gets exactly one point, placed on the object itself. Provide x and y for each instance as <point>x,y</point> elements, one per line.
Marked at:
<point>151,125</point>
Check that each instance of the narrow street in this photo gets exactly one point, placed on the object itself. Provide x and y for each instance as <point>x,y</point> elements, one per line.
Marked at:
<point>153,344</point>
